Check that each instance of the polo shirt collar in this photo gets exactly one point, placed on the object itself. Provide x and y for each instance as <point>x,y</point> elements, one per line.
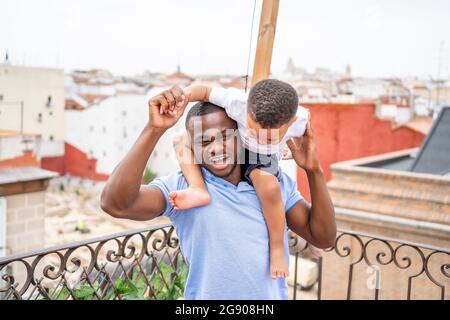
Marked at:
<point>241,187</point>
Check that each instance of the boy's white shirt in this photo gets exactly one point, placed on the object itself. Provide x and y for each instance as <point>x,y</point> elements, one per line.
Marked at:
<point>234,102</point>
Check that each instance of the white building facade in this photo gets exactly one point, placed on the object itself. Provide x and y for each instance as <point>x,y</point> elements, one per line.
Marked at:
<point>41,93</point>
<point>107,130</point>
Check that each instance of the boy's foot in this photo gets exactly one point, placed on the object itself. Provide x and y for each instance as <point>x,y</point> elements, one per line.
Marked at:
<point>278,266</point>
<point>189,198</point>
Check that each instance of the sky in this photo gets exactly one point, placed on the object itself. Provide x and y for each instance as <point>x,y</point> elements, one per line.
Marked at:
<point>377,38</point>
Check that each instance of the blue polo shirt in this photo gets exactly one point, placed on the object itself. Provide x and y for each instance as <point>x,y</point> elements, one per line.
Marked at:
<point>226,242</point>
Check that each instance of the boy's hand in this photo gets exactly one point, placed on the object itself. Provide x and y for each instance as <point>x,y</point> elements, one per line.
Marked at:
<point>304,150</point>
<point>173,99</point>
<point>161,116</point>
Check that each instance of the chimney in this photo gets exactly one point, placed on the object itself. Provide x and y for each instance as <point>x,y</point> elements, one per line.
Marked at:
<point>7,58</point>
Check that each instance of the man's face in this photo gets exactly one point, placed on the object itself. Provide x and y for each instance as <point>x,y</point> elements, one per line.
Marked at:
<point>214,141</point>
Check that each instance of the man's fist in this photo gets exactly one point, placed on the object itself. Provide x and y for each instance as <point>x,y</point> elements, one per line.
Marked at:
<point>169,100</point>
<point>303,150</point>
<point>167,107</point>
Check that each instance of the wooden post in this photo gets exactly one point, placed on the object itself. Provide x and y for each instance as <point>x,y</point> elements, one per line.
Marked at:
<point>266,36</point>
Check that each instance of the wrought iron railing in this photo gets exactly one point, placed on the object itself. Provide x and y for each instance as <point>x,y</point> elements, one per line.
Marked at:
<point>148,264</point>
<point>139,264</point>
<point>384,268</point>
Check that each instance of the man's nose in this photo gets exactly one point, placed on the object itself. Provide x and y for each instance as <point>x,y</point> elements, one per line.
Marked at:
<point>217,147</point>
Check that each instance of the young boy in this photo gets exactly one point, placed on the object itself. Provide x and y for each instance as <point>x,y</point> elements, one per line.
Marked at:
<point>266,119</point>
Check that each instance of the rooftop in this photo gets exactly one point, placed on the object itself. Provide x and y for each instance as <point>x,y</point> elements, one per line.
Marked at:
<point>4,133</point>
<point>11,133</point>
<point>13,175</point>
<point>431,158</point>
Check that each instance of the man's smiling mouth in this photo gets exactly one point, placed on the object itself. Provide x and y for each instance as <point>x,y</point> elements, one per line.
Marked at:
<point>219,162</point>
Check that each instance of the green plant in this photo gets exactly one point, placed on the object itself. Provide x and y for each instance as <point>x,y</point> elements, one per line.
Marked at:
<point>85,292</point>
<point>169,285</point>
<point>82,292</point>
<point>166,284</point>
<point>149,176</point>
<point>129,290</point>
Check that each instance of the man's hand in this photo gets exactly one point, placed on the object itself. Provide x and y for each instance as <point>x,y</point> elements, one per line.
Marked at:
<point>166,108</point>
<point>304,150</point>
<point>315,223</point>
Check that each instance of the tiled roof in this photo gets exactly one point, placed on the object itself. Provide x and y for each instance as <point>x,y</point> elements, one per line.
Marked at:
<point>434,154</point>
<point>13,175</point>
<point>8,133</point>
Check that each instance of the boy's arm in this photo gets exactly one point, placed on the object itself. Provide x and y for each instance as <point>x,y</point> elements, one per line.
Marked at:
<point>222,97</point>
<point>175,96</point>
<point>123,196</point>
<point>198,93</point>
<point>231,99</point>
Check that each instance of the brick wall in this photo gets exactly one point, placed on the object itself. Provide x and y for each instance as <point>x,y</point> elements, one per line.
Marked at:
<point>25,226</point>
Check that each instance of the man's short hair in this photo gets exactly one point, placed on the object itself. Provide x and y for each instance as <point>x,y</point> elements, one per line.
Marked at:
<point>201,109</point>
<point>272,103</point>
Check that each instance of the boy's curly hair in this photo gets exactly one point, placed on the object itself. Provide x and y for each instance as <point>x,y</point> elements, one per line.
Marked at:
<point>272,103</point>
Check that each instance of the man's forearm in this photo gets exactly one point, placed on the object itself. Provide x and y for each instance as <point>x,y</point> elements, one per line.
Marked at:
<point>124,183</point>
<point>322,222</point>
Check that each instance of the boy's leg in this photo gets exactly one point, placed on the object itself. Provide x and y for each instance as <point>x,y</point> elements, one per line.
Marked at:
<point>269,193</point>
<point>196,194</point>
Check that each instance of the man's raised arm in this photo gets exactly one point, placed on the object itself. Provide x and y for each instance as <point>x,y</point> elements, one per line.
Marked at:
<point>123,196</point>
<point>316,223</point>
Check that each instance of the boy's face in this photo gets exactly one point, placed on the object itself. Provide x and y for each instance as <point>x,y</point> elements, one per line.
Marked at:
<point>267,136</point>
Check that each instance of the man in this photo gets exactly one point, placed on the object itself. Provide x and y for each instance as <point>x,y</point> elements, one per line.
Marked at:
<point>225,243</point>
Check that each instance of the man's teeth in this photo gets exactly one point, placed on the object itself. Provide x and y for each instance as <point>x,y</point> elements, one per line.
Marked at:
<point>218,159</point>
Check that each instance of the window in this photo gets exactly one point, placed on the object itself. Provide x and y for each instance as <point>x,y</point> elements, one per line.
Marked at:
<point>1,97</point>
<point>49,101</point>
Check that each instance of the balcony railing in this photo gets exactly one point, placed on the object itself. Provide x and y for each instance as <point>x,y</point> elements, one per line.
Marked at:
<point>148,264</point>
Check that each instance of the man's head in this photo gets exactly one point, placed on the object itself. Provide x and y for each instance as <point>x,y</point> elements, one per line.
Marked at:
<point>271,108</point>
<point>213,138</point>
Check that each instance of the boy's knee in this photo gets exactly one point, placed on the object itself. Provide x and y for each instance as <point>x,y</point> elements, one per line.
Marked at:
<point>270,189</point>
